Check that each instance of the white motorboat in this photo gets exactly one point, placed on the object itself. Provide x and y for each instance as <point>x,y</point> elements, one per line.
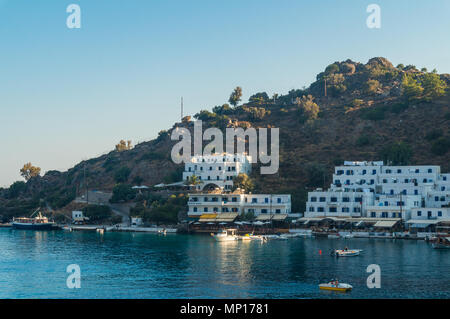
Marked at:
<point>334,285</point>
<point>225,235</point>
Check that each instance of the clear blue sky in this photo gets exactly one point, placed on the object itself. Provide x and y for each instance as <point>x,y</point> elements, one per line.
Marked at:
<point>68,95</point>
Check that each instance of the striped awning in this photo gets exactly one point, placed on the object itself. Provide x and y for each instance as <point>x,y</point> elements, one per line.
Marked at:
<point>265,217</point>
<point>216,218</point>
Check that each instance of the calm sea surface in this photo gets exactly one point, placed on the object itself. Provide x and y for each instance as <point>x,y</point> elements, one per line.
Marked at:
<point>132,265</point>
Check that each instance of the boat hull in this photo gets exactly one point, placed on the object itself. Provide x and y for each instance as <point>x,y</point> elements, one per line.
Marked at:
<point>27,226</point>
<point>335,289</point>
<point>225,238</point>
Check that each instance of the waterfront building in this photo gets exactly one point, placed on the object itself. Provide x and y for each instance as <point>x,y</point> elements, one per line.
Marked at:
<point>375,190</point>
<point>217,170</point>
<point>237,202</point>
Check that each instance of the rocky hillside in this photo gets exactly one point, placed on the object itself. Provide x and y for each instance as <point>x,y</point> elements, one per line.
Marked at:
<point>353,111</point>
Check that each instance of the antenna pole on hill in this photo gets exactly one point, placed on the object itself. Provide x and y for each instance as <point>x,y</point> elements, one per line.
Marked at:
<point>181,108</point>
<point>325,86</point>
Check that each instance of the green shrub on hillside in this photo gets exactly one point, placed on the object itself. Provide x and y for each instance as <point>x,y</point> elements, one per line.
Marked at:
<point>308,110</point>
<point>371,86</point>
<point>121,176</point>
<point>441,146</point>
<point>376,113</point>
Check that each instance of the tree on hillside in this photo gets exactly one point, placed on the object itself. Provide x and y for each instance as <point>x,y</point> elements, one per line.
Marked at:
<point>123,146</point>
<point>29,171</point>
<point>412,90</point>
<point>432,85</point>
<point>309,110</point>
<point>121,176</point>
<point>244,182</point>
<point>398,153</point>
<point>16,189</point>
<point>235,96</point>
<point>122,193</point>
<point>259,98</point>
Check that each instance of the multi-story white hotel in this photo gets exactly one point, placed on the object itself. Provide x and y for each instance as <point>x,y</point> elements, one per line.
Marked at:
<point>373,190</point>
<point>237,202</point>
<point>217,170</point>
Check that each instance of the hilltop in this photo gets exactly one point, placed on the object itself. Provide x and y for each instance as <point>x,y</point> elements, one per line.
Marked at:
<point>353,111</point>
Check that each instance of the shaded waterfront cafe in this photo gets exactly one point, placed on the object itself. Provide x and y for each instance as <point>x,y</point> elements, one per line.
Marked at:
<point>350,223</point>
<point>262,222</point>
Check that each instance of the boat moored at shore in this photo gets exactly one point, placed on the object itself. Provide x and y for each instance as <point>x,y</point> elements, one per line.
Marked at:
<point>33,223</point>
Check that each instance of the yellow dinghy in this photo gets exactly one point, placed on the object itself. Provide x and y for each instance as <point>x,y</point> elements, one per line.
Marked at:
<point>336,286</point>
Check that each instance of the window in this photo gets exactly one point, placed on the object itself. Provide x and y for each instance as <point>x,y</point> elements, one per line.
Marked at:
<point>322,199</point>
<point>278,200</point>
<point>399,171</point>
<point>388,171</point>
<point>346,199</point>
<point>264,211</point>
<point>311,208</point>
<point>404,192</point>
<point>340,172</point>
<point>430,170</point>
<point>277,211</point>
<point>210,168</point>
<point>220,168</point>
<point>313,199</point>
<point>372,182</point>
<point>419,213</point>
<point>364,172</point>
<point>205,199</point>
<point>195,209</point>
<point>429,214</point>
<point>442,199</point>
<point>373,214</point>
<point>266,200</point>
<point>399,215</point>
<point>374,172</point>
<point>439,213</point>
<point>215,199</point>
<point>386,203</point>
<point>254,200</point>
<point>205,209</point>
<point>358,199</point>
<point>345,209</point>
<point>384,181</point>
<point>333,199</point>
<point>217,177</point>
<point>234,199</point>
<point>436,198</point>
<point>402,203</point>
<point>333,210</point>
<point>356,210</point>
<point>215,209</point>
<point>417,170</point>
<point>320,209</point>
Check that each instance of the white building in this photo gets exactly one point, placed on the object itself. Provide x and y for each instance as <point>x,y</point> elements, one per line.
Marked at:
<point>239,203</point>
<point>385,192</point>
<point>217,170</point>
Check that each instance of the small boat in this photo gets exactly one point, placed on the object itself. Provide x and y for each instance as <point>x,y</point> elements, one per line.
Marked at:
<point>441,243</point>
<point>335,285</point>
<point>333,236</point>
<point>348,236</point>
<point>33,223</point>
<point>346,252</point>
<point>225,235</point>
<point>245,237</point>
